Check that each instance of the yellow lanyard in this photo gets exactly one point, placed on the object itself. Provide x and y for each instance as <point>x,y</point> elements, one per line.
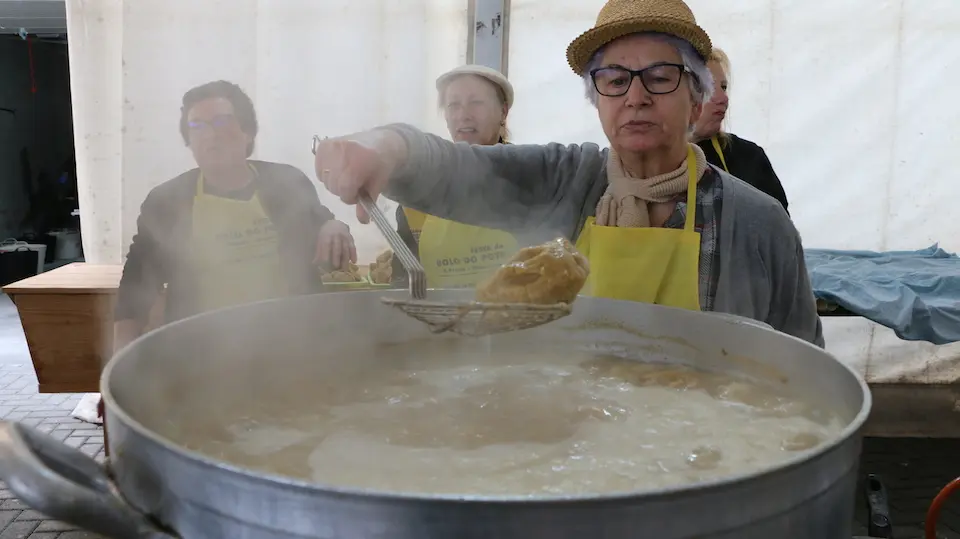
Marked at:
<point>716,146</point>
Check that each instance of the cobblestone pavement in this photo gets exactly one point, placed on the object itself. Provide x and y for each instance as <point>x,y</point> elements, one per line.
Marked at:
<point>913,470</point>
<point>19,401</point>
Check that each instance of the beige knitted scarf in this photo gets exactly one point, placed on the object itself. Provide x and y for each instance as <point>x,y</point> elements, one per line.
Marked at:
<point>626,200</point>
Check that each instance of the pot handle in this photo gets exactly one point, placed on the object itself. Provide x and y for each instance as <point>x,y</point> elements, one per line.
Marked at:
<point>65,484</point>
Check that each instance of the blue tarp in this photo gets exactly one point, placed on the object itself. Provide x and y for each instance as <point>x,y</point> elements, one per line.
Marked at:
<point>914,293</point>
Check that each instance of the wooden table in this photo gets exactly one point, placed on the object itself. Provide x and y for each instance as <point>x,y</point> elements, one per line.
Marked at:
<point>67,317</point>
<point>827,308</point>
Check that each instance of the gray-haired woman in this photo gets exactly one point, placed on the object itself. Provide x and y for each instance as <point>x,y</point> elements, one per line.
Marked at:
<point>657,223</point>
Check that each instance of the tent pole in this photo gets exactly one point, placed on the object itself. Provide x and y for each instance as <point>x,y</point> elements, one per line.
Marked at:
<point>488,32</point>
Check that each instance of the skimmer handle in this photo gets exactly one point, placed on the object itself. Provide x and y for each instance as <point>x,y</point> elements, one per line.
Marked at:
<point>415,272</point>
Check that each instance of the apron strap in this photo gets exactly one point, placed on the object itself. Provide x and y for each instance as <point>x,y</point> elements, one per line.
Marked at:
<point>691,191</point>
<point>415,219</point>
<point>716,146</point>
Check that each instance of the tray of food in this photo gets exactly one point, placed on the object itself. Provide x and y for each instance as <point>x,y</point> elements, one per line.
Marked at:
<point>380,273</point>
<point>348,277</point>
<point>377,274</point>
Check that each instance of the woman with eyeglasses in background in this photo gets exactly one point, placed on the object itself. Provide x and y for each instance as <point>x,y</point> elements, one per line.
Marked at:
<point>230,231</point>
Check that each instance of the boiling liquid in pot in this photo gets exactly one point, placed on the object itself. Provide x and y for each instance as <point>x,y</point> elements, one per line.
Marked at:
<point>439,420</point>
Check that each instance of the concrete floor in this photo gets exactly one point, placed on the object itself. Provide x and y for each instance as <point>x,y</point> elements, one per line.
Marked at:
<point>913,470</point>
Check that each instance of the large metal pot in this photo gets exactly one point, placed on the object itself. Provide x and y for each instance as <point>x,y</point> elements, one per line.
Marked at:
<point>153,488</point>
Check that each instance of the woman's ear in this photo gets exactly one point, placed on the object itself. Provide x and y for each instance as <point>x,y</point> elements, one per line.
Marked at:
<point>695,113</point>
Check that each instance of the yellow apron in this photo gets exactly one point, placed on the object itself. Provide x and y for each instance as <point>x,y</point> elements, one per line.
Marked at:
<point>234,246</point>
<point>716,146</point>
<point>650,265</point>
<point>456,255</point>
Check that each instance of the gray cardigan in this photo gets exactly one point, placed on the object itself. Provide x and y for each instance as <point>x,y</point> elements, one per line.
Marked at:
<point>539,192</point>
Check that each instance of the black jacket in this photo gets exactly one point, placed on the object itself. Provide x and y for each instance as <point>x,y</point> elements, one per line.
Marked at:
<point>406,234</point>
<point>158,254</point>
<point>748,162</point>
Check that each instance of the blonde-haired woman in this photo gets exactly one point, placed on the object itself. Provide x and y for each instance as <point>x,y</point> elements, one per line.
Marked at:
<point>475,101</point>
<point>740,157</point>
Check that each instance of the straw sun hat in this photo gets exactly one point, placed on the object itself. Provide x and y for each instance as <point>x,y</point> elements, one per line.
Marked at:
<point>488,73</point>
<point>622,17</point>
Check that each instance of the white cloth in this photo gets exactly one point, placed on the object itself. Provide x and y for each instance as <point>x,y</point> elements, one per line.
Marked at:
<point>86,409</point>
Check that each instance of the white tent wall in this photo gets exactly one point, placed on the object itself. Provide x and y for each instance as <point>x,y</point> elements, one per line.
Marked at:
<point>324,68</point>
<point>851,100</point>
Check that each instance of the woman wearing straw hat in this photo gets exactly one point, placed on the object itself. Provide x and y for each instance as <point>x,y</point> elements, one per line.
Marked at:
<point>740,157</point>
<point>475,101</point>
<point>657,223</point>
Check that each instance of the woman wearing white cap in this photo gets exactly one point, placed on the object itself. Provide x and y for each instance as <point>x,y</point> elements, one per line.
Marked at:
<point>656,221</point>
<point>475,101</point>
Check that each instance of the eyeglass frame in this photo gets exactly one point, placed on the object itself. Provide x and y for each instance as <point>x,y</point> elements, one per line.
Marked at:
<point>218,123</point>
<point>638,73</point>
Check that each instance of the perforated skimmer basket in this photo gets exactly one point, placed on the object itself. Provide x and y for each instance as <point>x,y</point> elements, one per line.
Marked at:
<point>471,318</point>
<point>476,319</point>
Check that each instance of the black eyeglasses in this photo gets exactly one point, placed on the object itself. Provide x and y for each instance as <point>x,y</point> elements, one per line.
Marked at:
<point>614,81</point>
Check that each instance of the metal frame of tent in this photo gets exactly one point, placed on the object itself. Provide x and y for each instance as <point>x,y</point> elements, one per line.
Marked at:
<point>488,32</point>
